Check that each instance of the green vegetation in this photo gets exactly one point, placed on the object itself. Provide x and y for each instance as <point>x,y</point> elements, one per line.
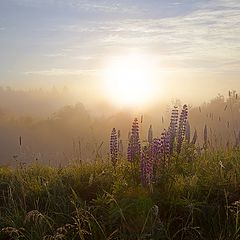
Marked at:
<point>194,197</point>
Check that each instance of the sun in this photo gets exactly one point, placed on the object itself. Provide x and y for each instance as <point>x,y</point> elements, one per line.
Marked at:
<point>130,80</point>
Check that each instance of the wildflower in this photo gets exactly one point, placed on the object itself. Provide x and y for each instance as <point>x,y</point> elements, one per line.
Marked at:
<point>173,127</point>
<point>146,166</point>
<point>165,139</point>
<point>134,146</point>
<point>182,127</point>
<point>114,147</point>
<point>150,134</point>
<point>161,148</point>
<point>119,143</point>
<point>157,150</point>
<point>188,132</point>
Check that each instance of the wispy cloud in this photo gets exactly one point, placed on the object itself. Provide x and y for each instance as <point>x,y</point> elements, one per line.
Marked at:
<point>204,39</point>
<point>207,39</point>
<point>62,72</point>
<point>106,6</point>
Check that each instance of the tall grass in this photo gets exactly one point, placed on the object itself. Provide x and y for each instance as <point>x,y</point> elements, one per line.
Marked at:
<point>196,197</point>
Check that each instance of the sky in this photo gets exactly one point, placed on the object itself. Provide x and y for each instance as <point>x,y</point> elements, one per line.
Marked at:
<point>195,45</point>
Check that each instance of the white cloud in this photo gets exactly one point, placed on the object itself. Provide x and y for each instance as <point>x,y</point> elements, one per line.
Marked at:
<point>207,38</point>
<point>106,6</point>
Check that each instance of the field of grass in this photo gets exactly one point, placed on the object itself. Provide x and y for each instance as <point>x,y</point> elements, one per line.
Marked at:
<point>194,197</point>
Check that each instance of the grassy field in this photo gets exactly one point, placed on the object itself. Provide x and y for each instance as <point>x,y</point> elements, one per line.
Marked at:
<point>194,197</point>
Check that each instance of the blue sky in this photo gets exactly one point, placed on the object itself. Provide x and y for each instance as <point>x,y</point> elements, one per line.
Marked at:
<point>58,42</point>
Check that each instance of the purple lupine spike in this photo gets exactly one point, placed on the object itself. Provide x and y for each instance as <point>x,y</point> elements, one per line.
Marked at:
<point>143,166</point>
<point>166,144</point>
<point>130,155</point>
<point>134,146</point>
<point>114,147</point>
<point>157,151</point>
<point>118,140</point>
<point>182,127</point>
<point>156,148</point>
<point>161,149</point>
<point>164,147</point>
<point>146,166</point>
<point>150,134</point>
<point>162,138</point>
<point>173,127</point>
<point>188,132</point>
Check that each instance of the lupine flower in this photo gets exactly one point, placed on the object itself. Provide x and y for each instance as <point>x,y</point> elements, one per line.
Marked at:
<point>165,139</point>
<point>157,154</point>
<point>205,137</point>
<point>157,151</point>
<point>118,140</point>
<point>114,147</point>
<point>146,166</point>
<point>161,148</point>
<point>150,134</point>
<point>188,132</point>
<point>182,127</point>
<point>134,146</point>
<point>173,127</point>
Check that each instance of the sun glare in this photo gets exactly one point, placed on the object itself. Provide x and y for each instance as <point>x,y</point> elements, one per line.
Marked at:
<point>130,80</point>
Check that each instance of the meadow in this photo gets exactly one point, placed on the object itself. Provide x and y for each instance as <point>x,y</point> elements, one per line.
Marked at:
<point>119,120</point>
<point>169,187</point>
